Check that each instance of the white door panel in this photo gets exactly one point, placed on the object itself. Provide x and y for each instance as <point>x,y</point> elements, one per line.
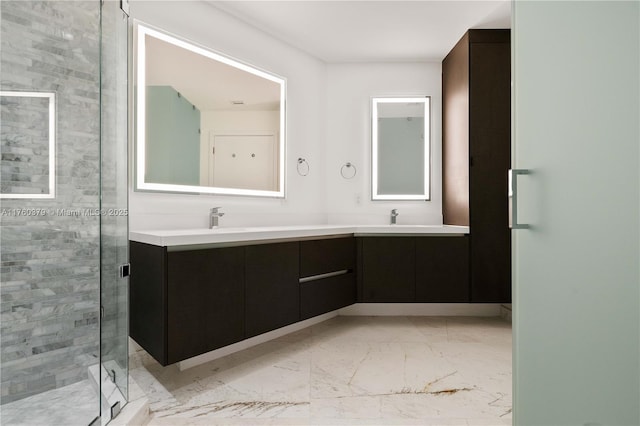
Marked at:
<point>244,161</point>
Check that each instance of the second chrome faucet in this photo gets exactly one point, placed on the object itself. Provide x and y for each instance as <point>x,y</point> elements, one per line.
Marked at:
<point>214,215</point>
<point>394,215</point>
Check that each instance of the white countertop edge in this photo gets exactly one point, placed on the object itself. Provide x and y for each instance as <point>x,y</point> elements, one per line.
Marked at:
<point>171,238</point>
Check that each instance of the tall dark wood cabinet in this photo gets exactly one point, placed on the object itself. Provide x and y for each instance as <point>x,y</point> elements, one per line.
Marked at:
<point>476,84</point>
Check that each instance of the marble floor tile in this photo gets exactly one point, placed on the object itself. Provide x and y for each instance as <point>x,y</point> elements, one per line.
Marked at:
<point>308,422</point>
<point>380,369</point>
<point>357,407</point>
<point>346,329</point>
<point>73,405</point>
<point>433,328</point>
<point>346,370</point>
<point>483,330</point>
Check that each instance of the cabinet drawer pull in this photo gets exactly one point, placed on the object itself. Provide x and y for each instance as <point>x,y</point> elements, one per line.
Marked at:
<point>322,276</point>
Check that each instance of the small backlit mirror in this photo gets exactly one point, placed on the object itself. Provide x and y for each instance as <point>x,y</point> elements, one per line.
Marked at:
<point>28,144</point>
<point>400,148</point>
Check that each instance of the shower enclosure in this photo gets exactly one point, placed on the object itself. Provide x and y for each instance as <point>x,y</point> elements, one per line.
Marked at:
<point>63,229</point>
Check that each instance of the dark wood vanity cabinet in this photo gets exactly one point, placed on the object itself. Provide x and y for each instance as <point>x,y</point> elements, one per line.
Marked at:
<point>327,275</point>
<point>185,303</point>
<point>272,293</point>
<point>387,269</point>
<point>205,304</point>
<point>476,85</point>
<point>327,255</point>
<point>148,298</point>
<point>430,269</point>
<point>442,269</point>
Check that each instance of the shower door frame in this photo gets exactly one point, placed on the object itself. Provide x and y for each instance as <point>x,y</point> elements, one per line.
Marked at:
<point>114,179</point>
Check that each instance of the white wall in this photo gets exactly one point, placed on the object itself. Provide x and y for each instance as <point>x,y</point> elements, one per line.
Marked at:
<point>327,123</point>
<point>349,88</point>
<point>306,88</point>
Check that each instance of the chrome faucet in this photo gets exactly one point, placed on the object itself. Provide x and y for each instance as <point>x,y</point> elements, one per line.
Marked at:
<point>394,215</point>
<point>214,214</point>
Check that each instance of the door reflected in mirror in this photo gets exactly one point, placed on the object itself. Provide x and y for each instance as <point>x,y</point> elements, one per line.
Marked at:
<point>400,148</point>
<point>206,123</point>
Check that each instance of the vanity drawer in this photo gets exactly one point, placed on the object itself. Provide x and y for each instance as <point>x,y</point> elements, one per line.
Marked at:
<point>318,297</point>
<point>329,255</point>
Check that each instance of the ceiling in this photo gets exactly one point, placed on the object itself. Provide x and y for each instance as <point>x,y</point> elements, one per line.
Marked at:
<point>190,74</point>
<point>333,31</point>
<point>371,31</point>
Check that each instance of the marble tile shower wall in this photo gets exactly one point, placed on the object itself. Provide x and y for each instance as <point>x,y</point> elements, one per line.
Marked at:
<point>50,262</point>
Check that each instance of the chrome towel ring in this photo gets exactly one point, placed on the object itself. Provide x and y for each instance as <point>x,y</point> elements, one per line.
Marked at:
<point>348,170</point>
<point>302,167</point>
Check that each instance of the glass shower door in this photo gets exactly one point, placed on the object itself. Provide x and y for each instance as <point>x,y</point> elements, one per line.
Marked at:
<point>114,253</point>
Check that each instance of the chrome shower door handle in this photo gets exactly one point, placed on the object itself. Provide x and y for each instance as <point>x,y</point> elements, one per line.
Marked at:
<point>513,192</point>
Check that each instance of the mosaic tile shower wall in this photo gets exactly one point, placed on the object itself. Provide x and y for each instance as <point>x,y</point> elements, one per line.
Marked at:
<point>50,249</point>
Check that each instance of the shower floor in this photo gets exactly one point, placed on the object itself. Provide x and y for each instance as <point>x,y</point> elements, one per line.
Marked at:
<point>71,405</point>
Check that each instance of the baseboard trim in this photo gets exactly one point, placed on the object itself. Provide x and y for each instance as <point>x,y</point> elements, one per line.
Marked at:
<point>423,309</point>
<point>359,309</point>
<point>253,341</point>
<point>505,312</point>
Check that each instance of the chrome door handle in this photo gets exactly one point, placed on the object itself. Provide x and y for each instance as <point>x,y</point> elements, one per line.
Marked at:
<point>513,192</point>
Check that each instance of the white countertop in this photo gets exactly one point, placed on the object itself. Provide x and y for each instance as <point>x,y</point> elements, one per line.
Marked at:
<point>180,237</point>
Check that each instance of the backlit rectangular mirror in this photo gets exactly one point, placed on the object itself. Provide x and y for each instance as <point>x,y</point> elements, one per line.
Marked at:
<point>28,144</point>
<point>206,123</point>
<point>400,148</point>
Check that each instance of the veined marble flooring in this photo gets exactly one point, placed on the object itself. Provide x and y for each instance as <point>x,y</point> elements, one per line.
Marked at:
<point>72,405</point>
<point>346,371</point>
